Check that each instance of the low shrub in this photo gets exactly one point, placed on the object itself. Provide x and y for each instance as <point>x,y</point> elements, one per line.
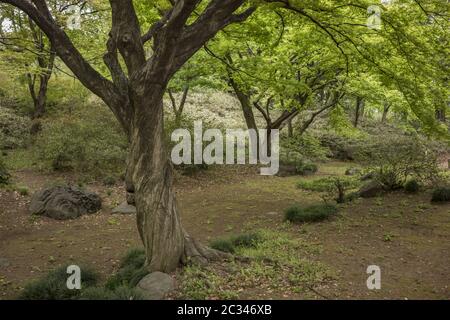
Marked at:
<point>14,129</point>
<point>53,286</point>
<point>131,270</point>
<point>306,168</point>
<point>314,213</point>
<point>302,147</point>
<point>441,194</point>
<point>396,158</point>
<point>88,141</point>
<point>4,174</point>
<point>332,187</point>
<point>225,245</point>
<point>246,240</point>
<point>412,186</point>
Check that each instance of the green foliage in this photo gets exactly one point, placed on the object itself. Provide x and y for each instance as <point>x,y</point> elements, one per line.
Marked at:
<point>395,158</point>
<point>306,168</point>
<point>331,187</point>
<point>89,141</point>
<point>230,244</point>
<point>53,285</point>
<point>301,147</point>
<point>314,213</point>
<point>441,194</point>
<point>131,270</point>
<point>412,186</point>
<point>14,129</point>
<point>4,174</point>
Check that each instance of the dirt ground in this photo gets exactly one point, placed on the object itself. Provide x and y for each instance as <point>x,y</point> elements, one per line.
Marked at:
<point>406,235</point>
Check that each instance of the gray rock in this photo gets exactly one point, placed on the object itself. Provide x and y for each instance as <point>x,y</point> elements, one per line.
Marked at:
<point>156,286</point>
<point>124,208</point>
<point>371,189</point>
<point>352,171</point>
<point>130,198</point>
<point>64,203</point>
<point>4,263</point>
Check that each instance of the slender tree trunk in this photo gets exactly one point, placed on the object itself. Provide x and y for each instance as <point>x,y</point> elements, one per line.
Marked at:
<point>385,112</point>
<point>290,129</point>
<point>41,101</point>
<point>359,110</point>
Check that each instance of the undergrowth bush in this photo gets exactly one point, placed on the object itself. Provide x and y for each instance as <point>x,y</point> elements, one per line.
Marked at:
<point>396,158</point>
<point>306,168</point>
<point>4,174</point>
<point>297,214</point>
<point>230,244</point>
<point>88,141</point>
<point>53,286</point>
<point>412,186</point>
<point>131,270</point>
<point>441,194</point>
<point>14,129</point>
<point>335,188</point>
<point>303,147</point>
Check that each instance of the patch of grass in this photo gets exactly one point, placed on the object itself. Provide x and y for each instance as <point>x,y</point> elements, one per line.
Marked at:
<point>109,181</point>
<point>131,270</point>
<point>441,194</point>
<point>317,185</point>
<point>230,244</point>
<point>277,263</point>
<point>53,286</point>
<point>23,191</point>
<point>297,214</point>
<point>18,159</point>
<point>203,283</point>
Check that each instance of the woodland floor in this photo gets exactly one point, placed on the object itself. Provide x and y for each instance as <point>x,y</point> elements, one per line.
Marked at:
<point>406,235</point>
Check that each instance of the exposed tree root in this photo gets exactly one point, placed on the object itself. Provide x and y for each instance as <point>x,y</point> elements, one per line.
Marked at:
<point>197,253</point>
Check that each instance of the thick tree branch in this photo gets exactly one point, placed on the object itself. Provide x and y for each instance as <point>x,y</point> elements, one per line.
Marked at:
<point>126,34</point>
<point>88,76</point>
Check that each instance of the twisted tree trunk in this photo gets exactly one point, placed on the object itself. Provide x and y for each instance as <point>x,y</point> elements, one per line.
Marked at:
<point>150,172</point>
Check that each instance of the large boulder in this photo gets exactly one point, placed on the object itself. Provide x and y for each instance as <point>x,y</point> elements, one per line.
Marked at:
<point>371,189</point>
<point>155,286</point>
<point>64,203</point>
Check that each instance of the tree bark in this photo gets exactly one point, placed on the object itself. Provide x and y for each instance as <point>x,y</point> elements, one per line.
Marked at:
<point>150,170</point>
<point>386,109</point>
<point>135,97</point>
<point>359,110</point>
